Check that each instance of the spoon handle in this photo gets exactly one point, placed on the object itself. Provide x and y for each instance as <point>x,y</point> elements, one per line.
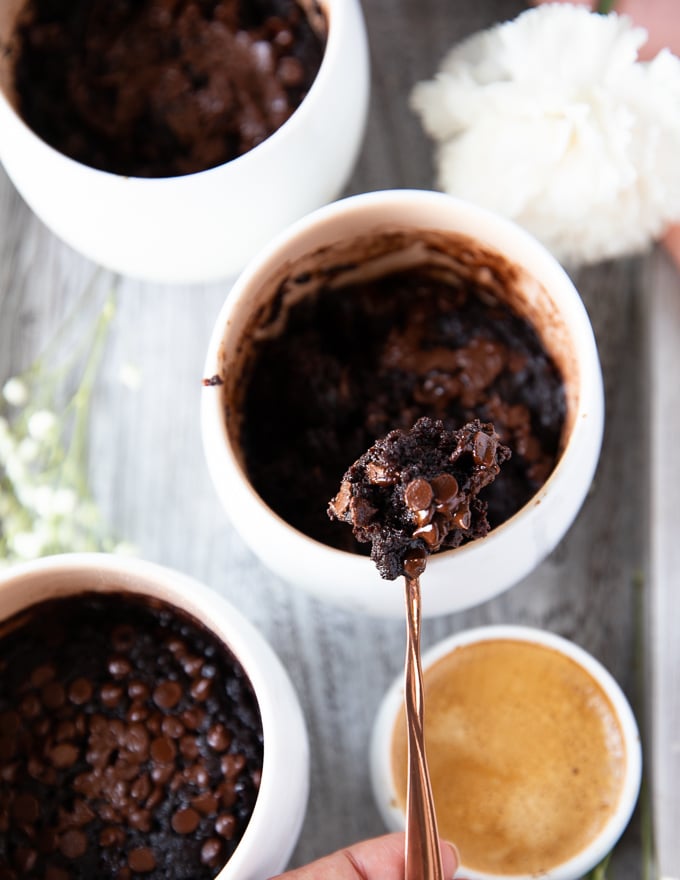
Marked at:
<point>423,856</point>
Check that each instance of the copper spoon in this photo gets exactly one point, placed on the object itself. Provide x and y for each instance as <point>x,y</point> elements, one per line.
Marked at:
<point>423,855</point>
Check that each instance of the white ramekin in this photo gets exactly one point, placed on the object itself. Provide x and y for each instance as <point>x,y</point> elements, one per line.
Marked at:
<point>475,572</point>
<point>275,824</point>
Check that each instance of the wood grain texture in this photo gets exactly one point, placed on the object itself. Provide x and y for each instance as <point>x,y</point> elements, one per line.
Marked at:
<point>662,586</point>
<point>149,476</point>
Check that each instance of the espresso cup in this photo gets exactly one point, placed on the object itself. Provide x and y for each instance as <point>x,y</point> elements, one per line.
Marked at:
<point>533,750</point>
<point>280,802</point>
<point>364,237</point>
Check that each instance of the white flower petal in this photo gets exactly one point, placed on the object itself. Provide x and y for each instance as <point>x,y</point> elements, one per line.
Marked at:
<point>551,120</point>
<point>15,391</point>
<point>64,501</point>
<point>41,424</point>
<point>27,545</point>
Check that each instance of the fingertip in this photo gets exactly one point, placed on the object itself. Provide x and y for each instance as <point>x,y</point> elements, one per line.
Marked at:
<point>450,859</point>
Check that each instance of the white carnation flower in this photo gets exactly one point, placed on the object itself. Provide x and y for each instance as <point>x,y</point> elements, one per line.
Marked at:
<point>552,121</point>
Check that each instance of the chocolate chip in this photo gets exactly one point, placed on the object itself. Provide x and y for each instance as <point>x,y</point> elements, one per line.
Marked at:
<point>211,851</point>
<point>142,860</point>
<point>218,738</point>
<point>445,488</point>
<point>141,788</point>
<point>119,666</point>
<point>73,843</point>
<point>484,449</point>
<point>225,825</point>
<point>206,803</point>
<point>112,835</point>
<point>80,691</point>
<point>171,726</point>
<point>188,746</point>
<point>177,647</point>
<point>185,821</point>
<point>140,820</point>
<point>418,494</point>
<point>163,750</point>
<point>290,72</point>
<point>110,694</point>
<point>160,773</point>
<point>428,533</point>
<point>193,717</point>
<point>64,755</point>
<point>42,674</point>
<point>192,665</point>
<point>200,689</point>
<point>136,740</point>
<point>123,637</point>
<point>379,474</point>
<point>167,694</point>
<point>232,765</point>
<point>138,690</point>
<point>340,504</point>
<point>154,798</point>
<point>462,517</point>
<point>137,712</point>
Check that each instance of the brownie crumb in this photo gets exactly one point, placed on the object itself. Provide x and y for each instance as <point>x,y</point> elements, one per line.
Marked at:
<point>415,492</point>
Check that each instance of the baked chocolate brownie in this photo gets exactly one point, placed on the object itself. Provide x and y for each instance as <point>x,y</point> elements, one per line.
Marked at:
<point>160,88</point>
<point>414,492</point>
<point>130,743</point>
<point>350,363</point>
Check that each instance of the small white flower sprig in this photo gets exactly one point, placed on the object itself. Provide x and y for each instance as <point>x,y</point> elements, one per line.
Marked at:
<point>46,506</point>
<point>552,121</point>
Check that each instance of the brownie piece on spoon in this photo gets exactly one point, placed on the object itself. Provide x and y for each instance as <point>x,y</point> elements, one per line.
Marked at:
<point>414,492</point>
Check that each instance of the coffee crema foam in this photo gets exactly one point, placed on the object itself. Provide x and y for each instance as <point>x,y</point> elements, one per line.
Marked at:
<point>526,755</point>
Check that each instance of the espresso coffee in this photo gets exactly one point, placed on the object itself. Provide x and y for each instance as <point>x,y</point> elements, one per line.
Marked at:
<point>130,743</point>
<point>526,755</point>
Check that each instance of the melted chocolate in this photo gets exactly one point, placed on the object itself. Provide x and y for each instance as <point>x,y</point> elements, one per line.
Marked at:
<point>357,362</point>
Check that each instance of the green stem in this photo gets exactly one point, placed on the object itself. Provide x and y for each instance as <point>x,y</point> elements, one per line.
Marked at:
<point>80,402</point>
<point>605,6</point>
<point>599,872</point>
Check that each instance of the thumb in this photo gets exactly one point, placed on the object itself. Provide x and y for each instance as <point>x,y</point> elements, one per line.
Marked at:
<point>381,858</point>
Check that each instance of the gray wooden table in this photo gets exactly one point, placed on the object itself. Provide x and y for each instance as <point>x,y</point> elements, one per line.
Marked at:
<point>149,476</point>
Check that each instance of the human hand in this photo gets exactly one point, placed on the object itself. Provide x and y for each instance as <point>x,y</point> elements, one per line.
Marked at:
<point>381,858</point>
<point>662,23</point>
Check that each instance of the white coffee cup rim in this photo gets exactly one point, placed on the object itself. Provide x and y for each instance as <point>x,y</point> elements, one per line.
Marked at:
<point>603,843</point>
